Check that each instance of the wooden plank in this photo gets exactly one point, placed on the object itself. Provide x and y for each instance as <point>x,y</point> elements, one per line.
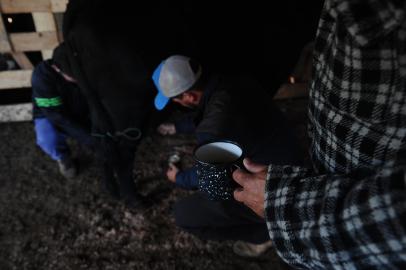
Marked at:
<point>59,21</point>
<point>28,6</point>
<point>59,5</point>
<point>47,54</point>
<point>297,90</point>
<point>44,22</point>
<point>25,6</point>
<point>26,42</point>
<point>16,113</point>
<point>22,60</point>
<point>15,79</point>
<point>5,45</point>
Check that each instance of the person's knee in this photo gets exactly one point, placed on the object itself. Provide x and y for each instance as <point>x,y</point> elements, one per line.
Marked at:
<point>185,219</point>
<point>181,214</point>
<point>189,212</point>
<point>195,211</point>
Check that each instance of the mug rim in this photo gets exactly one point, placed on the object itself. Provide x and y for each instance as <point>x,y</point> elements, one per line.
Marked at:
<point>218,163</point>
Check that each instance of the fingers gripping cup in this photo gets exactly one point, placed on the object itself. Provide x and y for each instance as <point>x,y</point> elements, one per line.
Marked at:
<point>215,162</point>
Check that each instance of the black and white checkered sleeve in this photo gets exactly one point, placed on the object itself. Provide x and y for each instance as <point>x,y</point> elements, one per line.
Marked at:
<point>368,20</point>
<point>338,222</point>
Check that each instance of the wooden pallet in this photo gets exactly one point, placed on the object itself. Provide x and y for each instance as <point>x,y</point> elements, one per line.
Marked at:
<point>45,38</point>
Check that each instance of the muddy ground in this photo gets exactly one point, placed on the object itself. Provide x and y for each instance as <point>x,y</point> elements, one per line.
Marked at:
<point>48,222</point>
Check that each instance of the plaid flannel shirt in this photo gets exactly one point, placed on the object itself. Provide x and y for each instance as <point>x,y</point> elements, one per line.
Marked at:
<point>349,212</point>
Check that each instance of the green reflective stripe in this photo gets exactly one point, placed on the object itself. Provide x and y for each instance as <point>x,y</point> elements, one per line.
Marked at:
<point>48,102</point>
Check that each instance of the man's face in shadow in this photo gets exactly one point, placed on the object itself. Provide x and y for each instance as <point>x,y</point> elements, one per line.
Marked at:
<point>189,99</point>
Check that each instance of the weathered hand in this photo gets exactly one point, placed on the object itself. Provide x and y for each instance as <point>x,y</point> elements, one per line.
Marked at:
<point>166,129</point>
<point>252,193</point>
<point>172,172</point>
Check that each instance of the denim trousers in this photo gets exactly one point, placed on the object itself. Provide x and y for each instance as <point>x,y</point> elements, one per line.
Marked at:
<point>50,140</point>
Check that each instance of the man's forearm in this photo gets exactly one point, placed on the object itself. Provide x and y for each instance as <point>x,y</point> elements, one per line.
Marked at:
<point>337,221</point>
<point>187,179</point>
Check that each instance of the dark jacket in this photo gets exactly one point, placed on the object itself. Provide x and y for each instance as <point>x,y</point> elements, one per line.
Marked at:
<point>61,102</point>
<point>239,110</point>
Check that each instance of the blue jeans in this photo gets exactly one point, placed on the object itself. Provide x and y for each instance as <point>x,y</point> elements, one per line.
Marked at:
<point>50,140</point>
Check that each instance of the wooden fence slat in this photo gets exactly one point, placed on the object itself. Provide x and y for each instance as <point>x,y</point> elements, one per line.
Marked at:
<point>25,6</point>
<point>15,79</point>
<point>28,6</point>
<point>5,45</point>
<point>59,6</point>
<point>45,39</point>
<point>22,60</point>
<point>44,22</point>
<point>47,54</point>
<point>26,42</point>
<point>16,113</point>
<point>59,21</point>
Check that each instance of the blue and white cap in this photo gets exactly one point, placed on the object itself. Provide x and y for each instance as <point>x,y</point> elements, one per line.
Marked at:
<point>174,76</point>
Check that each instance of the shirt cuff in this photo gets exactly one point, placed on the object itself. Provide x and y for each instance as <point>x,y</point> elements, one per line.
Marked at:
<point>277,181</point>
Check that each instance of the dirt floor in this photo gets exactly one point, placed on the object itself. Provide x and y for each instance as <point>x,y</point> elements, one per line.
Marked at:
<point>47,222</point>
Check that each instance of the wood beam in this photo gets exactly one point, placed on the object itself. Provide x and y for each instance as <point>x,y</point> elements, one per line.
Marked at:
<point>25,6</point>
<point>16,113</point>
<point>59,22</point>
<point>22,60</point>
<point>28,6</point>
<point>26,42</point>
<point>15,79</point>
<point>47,54</point>
<point>5,45</point>
<point>59,6</point>
<point>44,22</point>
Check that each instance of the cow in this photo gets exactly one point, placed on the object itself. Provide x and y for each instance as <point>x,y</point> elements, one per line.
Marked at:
<point>111,52</point>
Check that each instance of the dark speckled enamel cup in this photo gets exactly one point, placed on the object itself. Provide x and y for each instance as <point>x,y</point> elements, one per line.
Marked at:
<point>215,162</point>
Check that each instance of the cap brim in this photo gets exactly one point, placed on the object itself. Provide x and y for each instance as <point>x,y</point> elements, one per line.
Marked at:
<point>160,100</point>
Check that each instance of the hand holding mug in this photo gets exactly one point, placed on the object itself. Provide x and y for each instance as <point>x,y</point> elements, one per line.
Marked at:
<point>252,191</point>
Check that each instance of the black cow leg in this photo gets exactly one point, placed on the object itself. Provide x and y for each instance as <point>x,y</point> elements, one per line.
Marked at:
<point>109,183</point>
<point>125,177</point>
<point>127,188</point>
